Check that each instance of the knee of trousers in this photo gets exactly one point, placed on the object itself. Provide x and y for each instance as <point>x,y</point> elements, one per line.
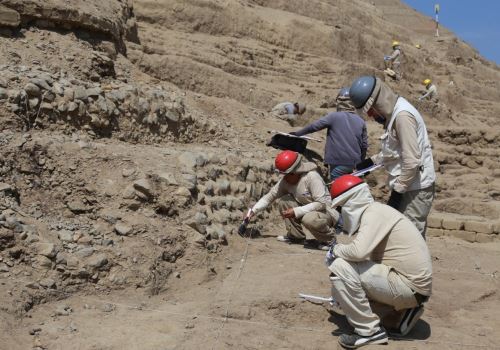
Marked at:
<point>341,268</point>
<point>315,222</point>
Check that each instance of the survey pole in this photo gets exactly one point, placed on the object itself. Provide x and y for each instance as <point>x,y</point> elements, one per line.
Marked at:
<point>436,11</point>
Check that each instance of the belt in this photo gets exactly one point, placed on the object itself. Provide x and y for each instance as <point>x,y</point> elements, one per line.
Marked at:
<point>421,298</point>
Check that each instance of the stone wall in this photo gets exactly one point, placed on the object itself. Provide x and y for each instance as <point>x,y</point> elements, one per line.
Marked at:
<point>471,230</point>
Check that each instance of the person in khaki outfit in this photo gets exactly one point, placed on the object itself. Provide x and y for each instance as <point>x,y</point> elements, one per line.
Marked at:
<point>393,61</point>
<point>289,111</point>
<point>406,150</point>
<point>304,200</point>
<point>384,275</point>
<point>431,91</point>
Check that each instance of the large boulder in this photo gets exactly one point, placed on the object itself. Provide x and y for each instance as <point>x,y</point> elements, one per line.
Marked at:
<point>112,18</point>
<point>9,17</point>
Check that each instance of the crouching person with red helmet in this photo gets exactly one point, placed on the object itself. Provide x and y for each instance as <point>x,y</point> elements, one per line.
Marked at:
<point>305,203</point>
<point>385,269</point>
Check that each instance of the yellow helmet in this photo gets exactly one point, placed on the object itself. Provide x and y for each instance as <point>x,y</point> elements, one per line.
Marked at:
<point>427,81</point>
<point>418,46</point>
<point>395,43</point>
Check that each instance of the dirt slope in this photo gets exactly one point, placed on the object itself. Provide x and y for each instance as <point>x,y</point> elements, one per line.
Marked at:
<point>132,141</point>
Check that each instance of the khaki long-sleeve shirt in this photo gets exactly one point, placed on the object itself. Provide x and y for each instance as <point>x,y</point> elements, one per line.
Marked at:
<point>405,127</point>
<point>405,130</point>
<point>385,236</point>
<point>310,192</point>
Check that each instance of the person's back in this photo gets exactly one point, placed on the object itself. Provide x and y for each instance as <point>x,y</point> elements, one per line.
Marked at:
<point>403,249</point>
<point>347,139</point>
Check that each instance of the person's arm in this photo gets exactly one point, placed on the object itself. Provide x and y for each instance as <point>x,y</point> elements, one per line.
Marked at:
<point>319,195</point>
<point>279,109</point>
<point>275,193</point>
<point>406,129</point>
<point>364,142</point>
<point>425,95</point>
<point>394,55</point>
<point>372,230</point>
<point>319,124</point>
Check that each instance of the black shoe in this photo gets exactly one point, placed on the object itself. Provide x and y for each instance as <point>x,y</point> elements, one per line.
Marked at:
<point>315,244</point>
<point>354,341</point>
<point>410,319</point>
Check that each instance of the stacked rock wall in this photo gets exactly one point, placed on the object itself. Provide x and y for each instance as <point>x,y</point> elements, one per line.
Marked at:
<point>471,230</point>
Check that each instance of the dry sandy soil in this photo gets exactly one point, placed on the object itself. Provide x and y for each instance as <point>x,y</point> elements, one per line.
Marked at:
<point>122,187</point>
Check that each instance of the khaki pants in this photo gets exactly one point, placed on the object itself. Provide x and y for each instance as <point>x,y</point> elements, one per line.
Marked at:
<point>356,284</point>
<point>416,206</point>
<point>318,223</point>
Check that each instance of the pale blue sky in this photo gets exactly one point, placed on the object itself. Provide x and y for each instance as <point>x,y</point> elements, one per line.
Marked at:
<point>476,22</point>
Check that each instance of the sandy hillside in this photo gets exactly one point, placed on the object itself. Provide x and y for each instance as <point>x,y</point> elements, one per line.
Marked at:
<point>132,140</point>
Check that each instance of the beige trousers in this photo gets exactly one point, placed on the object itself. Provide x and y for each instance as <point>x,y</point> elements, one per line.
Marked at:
<point>416,206</point>
<point>318,223</point>
<point>356,284</point>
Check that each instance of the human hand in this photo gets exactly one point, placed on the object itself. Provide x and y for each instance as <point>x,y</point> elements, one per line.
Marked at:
<point>288,213</point>
<point>250,214</point>
<point>294,133</point>
<point>366,163</point>
<point>330,257</point>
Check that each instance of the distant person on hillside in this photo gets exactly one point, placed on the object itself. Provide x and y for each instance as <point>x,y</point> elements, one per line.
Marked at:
<point>393,61</point>
<point>288,111</point>
<point>406,150</point>
<point>384,275</point>
<point>347,140</point>
<point>431,91</point>
<point>304,200</point>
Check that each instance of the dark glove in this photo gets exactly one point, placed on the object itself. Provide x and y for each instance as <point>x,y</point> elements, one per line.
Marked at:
<point>364,164</point>
<point>395,200</point>
<point>294,133</point>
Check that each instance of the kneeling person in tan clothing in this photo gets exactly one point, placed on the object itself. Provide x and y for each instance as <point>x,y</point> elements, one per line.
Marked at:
<point>305,203</point>
<point>386,268</point>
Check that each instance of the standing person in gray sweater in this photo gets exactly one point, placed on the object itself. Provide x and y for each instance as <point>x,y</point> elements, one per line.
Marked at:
<point>347,140</point>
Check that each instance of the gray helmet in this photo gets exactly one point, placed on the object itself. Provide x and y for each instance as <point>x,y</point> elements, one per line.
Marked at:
<point>361,90</point>
<point>343,93</point>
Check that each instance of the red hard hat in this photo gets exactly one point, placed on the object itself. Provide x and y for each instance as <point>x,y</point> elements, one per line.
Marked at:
<point>344,184</point>
<point>286,161</point>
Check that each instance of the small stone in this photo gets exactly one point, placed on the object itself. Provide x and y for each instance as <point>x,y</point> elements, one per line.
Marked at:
<point>3,94</point>
<point>123,229</point>
<point>84,252</point>
<point>81,94</point>
<point>98,261</point>
<point>48,250</point>
<point>48,283</point>
<point>93,92</point>
<point>4,267</point>
<point>198,222</point>
<point>5,188</point>
<point>72,106</point>
<point>189,181</point>
<point>108,307</point>
<point>128,172</point>
<point>32,89</point>
<point>168,178</point>
<point>9,17</point>
<point>43,262</point>
<point>46,107</point>
<point>78,207</point>
<point>41,83</point>
<point>69,94</point>
<point>63,310</point>
<point>183,192</point>
<point>35,331</point>
<point>144,187</point>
